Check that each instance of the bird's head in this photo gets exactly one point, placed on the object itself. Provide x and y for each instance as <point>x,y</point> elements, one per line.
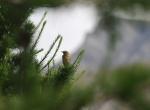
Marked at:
<point>65,52</point>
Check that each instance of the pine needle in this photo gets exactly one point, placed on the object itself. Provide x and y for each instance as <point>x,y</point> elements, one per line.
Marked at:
<point>78,59</point>
<point>36,41</point>
<point>60,41</point>
<point>38,51</point>
<point>51,47</point>
<point>44,15</point>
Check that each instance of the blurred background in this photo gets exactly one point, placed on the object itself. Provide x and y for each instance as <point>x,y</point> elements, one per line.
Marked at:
<point>115,36</point>
<point>112,33</point>
<point>73,22</point>
<point>81,24</point>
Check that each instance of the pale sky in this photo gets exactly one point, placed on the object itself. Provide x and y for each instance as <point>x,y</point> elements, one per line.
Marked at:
<point>72,22</point>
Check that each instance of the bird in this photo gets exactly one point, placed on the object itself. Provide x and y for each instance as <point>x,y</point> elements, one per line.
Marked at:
<point>66,58</point>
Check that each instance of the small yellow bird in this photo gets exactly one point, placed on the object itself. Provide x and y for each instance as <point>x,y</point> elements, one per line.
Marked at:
<point>66,58</point>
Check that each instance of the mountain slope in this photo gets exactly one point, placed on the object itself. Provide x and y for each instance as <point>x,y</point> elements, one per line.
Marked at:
<point>132,46</point>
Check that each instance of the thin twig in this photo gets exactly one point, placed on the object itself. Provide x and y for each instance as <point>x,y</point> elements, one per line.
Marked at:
<point>38,51</point>
<point>60,41</point>
<point>36,41</point>
<point>40,21</point>
<point>51,47</point>
<point>78,59</point>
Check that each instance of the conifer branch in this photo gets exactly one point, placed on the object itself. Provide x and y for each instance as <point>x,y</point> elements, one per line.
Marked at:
<point>36,41</point>
<point>2,17</point>
<point>60,41</point>
<point>51,47</point>
<point>78,59</point>
<point>40,22</point>
<point>38,51</point>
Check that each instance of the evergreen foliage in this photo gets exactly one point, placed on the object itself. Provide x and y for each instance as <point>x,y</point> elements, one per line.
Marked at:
<point>128,84</point>
<point>28,84</point>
